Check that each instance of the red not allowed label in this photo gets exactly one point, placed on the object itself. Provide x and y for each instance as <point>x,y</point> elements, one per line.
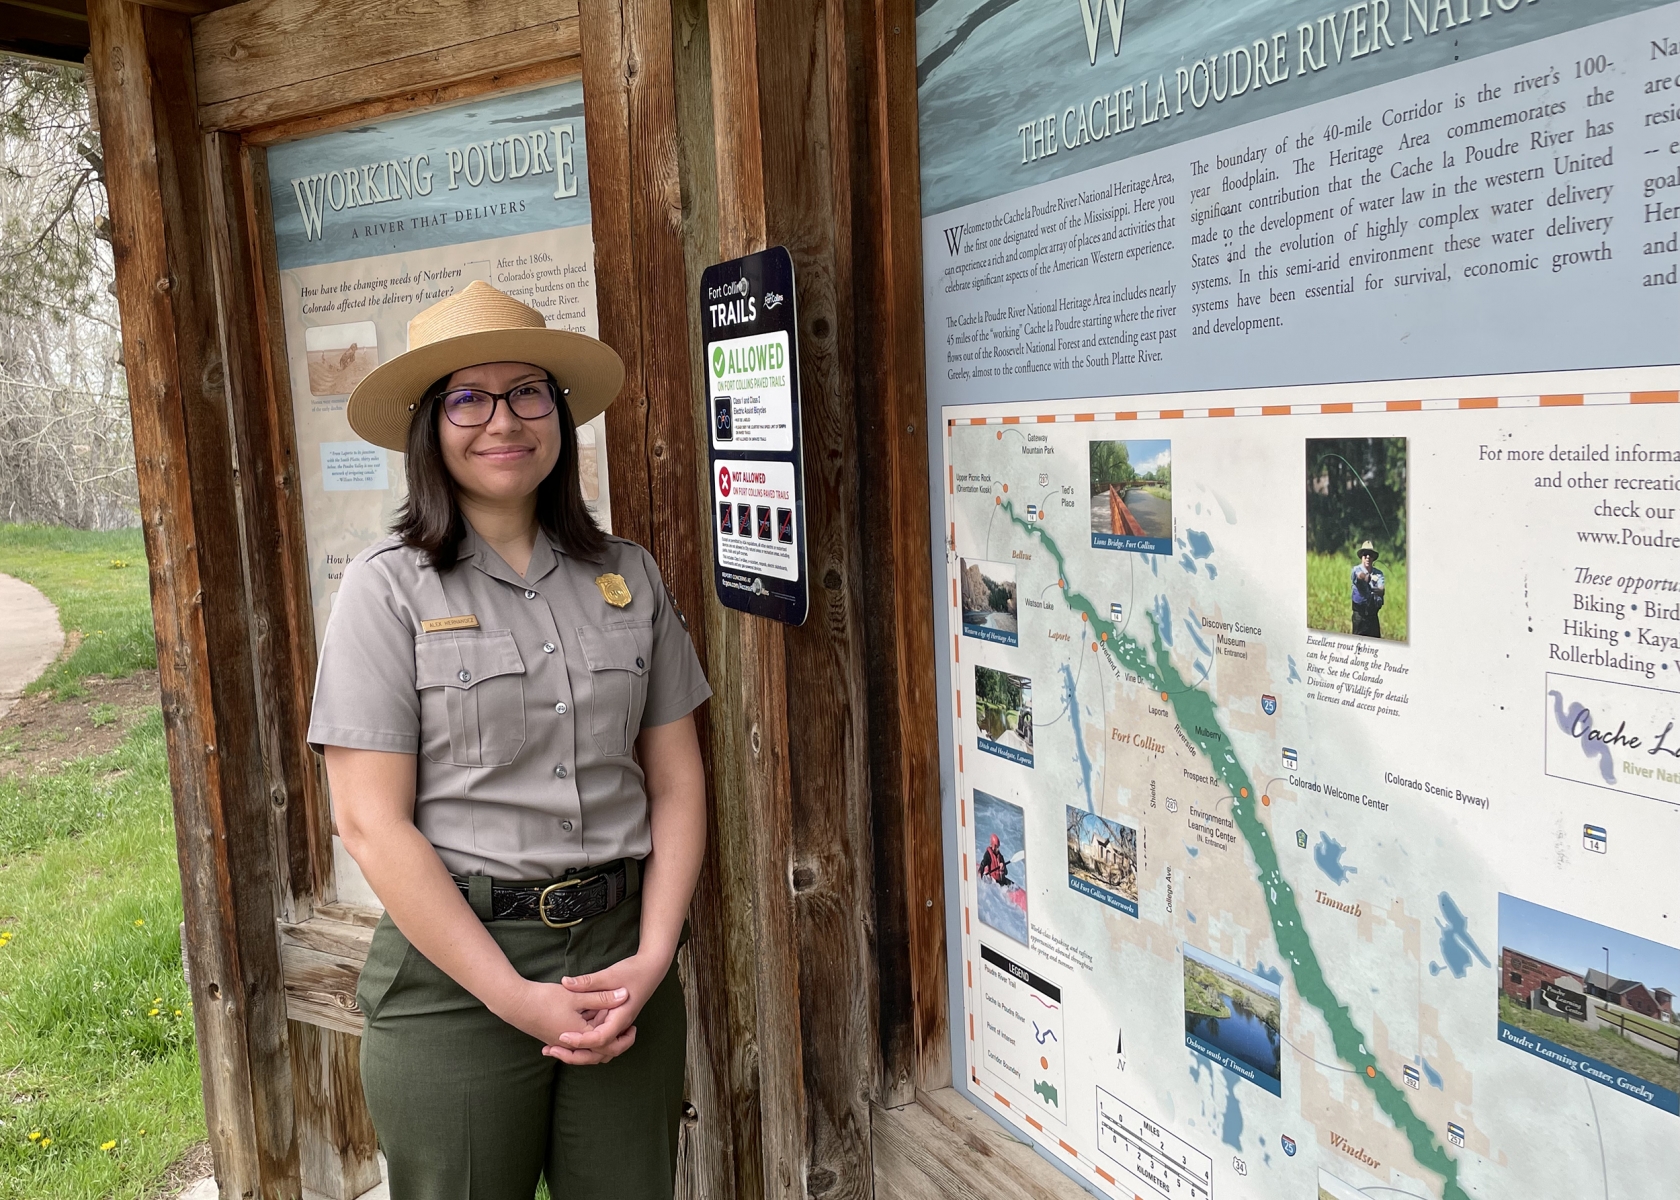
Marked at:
<point>723,480</point>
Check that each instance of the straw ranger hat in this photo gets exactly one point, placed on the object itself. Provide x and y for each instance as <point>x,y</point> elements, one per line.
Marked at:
<point>1367,548</point>
<point>480,325</point>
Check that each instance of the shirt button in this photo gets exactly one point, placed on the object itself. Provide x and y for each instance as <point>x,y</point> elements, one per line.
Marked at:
<point>640,665</point>
<point>530,595</point>
<point>464,676</point>
<point>566,826</point>
<point>560,771</point>
<point>548,647</point>
<point>560,708</point>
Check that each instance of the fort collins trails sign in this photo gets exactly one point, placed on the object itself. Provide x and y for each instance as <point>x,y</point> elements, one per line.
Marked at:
<point>750,324</point>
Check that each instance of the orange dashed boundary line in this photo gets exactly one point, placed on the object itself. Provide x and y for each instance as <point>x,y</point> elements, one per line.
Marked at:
<point>1338,408</point>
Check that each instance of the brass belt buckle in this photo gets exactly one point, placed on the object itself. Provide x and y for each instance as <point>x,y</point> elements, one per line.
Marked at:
<point>542,903</point>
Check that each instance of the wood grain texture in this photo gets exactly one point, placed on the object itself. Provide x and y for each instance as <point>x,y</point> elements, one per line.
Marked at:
<point>232,242</point>
<point>729,1155</point>
<point>413,100</point>
<point>618,299</point>
<point>387,78</point>
<point>264,45</point>
<point>739,141</point>
<point>320,988</point>
<point>189,505</point>
<point>944,1146</point>
<point>338,1151</point>
<point>349,940</point>
<point>804,112</point>
<point>758,705</point>
<point>892,405</point>
<point>309,815</point>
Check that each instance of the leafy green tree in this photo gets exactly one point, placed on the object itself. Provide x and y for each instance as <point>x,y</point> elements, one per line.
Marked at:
<point>52,194</point>
<point>998,688</point>
<point>1356,489</point>
<point>1111,463</point>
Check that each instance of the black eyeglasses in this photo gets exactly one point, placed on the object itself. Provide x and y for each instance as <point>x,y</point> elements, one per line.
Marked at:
<point>471,407</point>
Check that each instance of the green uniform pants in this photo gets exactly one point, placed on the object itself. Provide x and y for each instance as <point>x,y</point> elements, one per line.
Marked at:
<point>466,1106</point>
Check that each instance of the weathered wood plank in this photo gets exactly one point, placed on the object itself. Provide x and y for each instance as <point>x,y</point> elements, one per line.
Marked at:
<point>758,709</point>
<point>962,1133</point>
<point>730,1159</point>
<point>413,100</point>
<point>806,130</point>
<point>320,987</point>
<point>944,1146</point>
<point>386,78</point>
<point>366,917</point>
<point>189,502</point>
<point>891,409</point>
<point>915,1157</point>
<point>618,300</point>
<point>232,242</point>
<point>338,1151</point>
<point>309,820</point>
<point>263,45</point>
<point>348,940</point>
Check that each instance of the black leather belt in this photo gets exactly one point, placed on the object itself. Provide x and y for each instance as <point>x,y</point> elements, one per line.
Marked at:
<point>576,897</point>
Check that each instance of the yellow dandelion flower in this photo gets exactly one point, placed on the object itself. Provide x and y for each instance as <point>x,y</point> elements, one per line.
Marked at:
<point>177,1012</point>
<point>142,1133</point>
<point>111,1145</point>
<point>139,920</point>
<point>45,1142</point>
<point>35,1136</point>
<point>153,1013</point>
<point>157,999</point>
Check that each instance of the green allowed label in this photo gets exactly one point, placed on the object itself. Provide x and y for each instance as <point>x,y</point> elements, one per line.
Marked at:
<point>751,356</point>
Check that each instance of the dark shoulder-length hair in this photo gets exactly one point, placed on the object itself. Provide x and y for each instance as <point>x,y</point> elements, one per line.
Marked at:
<point>430,519</point>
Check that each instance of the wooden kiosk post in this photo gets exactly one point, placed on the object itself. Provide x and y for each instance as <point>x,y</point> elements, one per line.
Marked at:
<point>816,979</point>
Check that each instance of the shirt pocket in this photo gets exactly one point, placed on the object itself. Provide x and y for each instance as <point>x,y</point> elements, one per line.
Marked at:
<point>472,697</point>
<point>618,656</point>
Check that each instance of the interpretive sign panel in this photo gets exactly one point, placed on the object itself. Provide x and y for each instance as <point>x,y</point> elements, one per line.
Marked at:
<point>373,224</point>
<point>750,324</point>
<point>1304,401</point>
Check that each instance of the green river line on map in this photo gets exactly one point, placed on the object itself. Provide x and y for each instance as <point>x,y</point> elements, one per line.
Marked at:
<point>1191,706</point>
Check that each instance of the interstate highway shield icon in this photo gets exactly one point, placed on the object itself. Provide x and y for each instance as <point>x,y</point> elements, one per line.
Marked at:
<point>1268,705</point>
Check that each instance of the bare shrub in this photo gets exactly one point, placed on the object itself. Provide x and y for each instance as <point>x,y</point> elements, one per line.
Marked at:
<point>66,447</point>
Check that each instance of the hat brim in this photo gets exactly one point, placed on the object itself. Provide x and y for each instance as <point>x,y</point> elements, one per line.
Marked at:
<point>383,403</point>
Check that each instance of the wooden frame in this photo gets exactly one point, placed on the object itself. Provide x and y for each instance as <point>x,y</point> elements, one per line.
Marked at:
<point>819,1052</point>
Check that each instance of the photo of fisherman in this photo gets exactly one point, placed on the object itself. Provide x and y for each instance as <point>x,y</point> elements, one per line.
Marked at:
<point>1358,543</point>
<point>1369,589</point>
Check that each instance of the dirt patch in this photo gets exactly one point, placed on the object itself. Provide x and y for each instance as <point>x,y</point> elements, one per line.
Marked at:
<point>41,734</point>
<point>193,1166</point>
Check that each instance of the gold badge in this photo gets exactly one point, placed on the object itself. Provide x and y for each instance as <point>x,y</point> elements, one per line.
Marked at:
<point>440,624</point>
<point>613,589</point>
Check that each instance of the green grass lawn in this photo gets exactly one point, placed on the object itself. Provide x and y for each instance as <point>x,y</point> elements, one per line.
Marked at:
<point>1329,595</point>
<point>99,582</point>
<point>99,1087</point>
<point>1606,1045</point>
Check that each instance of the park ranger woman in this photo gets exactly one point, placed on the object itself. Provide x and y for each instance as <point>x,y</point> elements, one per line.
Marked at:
<point>504,701</point>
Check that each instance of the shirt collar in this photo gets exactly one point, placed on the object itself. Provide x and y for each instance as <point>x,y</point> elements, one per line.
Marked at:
<point>486,559</point>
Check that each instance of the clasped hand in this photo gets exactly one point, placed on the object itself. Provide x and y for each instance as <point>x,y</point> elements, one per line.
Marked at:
<point>586,1020</point>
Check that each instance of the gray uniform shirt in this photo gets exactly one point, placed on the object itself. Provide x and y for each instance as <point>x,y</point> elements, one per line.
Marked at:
<point>523,726</point>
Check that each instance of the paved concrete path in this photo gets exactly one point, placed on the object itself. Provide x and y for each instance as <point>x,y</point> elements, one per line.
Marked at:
<point>30,638</point>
